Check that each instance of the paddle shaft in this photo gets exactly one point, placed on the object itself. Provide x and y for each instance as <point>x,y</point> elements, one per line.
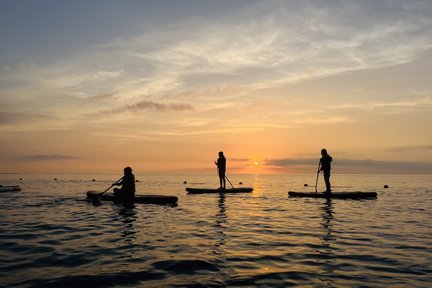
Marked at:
<point>111,186</point>
<point>316,182</point>
<point>229,182</point>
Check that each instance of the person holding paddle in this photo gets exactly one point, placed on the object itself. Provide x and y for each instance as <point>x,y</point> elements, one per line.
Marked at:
<point>221,164</point>
<point>127,183</point>
<point>325,167</point>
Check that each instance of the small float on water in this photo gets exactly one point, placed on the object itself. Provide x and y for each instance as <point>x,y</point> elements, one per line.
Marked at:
<point>218,190</point>
<point>334,195</point>
<point>10,188</point>
<point>144,199</point>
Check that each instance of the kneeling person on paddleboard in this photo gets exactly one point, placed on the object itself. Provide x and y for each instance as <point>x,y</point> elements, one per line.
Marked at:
<point>127,190</point>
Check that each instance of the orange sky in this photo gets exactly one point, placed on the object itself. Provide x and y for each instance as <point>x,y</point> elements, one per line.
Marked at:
<point>164,89</point>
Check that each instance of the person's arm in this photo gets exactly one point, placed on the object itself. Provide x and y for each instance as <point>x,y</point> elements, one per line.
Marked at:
<point>119,183</point>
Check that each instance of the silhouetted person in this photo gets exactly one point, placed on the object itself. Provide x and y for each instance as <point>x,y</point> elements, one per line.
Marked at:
<point>127,191</point>
<point>221,164</point>
<point>325,167</point>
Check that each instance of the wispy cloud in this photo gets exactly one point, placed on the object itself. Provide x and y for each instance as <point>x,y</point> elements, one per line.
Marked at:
<point>7,118</point>
<point>412,148</point>
<point>261,45</point>
<point>407,103</point>
<point>290,162</point>
<point>289,43</point>
<point>240,159</point>
<point>100,97</point>
<point>48,157</point>
<point>150,105</point>
<point>373,165</point>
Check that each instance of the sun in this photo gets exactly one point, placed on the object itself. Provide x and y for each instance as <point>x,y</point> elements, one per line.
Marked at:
<point>256,163</point>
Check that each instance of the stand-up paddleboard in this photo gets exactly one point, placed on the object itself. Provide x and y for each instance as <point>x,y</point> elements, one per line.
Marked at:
<point>212,190</point>
<point>10,188</point>
<point>144,199</point>
<point>334,195</point>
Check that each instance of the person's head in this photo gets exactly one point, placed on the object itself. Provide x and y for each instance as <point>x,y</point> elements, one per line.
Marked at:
<point>220,154</point>
<point>324,152</point>
<point>127,170</point>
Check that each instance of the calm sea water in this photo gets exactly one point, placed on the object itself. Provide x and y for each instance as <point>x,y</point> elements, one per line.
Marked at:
<point>52,237</point>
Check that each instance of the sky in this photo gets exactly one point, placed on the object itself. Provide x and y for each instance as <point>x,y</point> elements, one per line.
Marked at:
<point>163,86</point>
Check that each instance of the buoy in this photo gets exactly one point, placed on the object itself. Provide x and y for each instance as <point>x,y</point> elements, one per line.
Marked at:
<point>93,180</point>
<point>55,179</point>
<point>305,185</point>
<point>184,182</point>
<point>137,180</point>
<point>240,183</point>
<point>386,186</point>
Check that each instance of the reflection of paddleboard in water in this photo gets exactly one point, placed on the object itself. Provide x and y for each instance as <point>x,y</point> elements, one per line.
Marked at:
<point>336,195</point>
<point>145,199</point>
<point>10,188</point>
<point>212,190</point>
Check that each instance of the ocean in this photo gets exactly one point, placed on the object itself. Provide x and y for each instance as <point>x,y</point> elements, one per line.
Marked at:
<point>51,236</point>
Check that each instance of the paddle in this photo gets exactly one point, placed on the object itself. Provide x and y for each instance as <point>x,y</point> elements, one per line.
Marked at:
<point>100,194</point>
<point>316,182</point>
<point>229,182</point>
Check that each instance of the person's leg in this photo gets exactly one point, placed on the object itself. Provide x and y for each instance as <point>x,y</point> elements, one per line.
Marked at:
<point>224,181</point>
<point>220,180</point>
<point>117,194</point>
<point>327,181</point>
<point>116,191</point>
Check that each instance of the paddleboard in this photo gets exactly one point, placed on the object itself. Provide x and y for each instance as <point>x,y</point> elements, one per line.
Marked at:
<point>144,199</point>
<point>10,188</point>
<point>336,195</point>
<point>212,190</point>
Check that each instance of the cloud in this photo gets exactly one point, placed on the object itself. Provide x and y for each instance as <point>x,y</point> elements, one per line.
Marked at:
<point>323,120</point>
<point>100,97</point>
<point>412,148</point>
<point>107,75</point>
<point>49,157</point>
<point>247,47</point>
<point>290,162</point>
<point>240,159</point>
<point>150,105</point>
<point>7,118</point>
<point>368,163</point>
<point>263,44</point>
<point>411,102</point>
<point>283,43</point>
<point>260,45</point>
<point>372,165</point>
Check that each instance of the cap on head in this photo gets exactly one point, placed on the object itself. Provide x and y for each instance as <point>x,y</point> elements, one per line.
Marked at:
<point>127,169</point>
<point>220,153</point>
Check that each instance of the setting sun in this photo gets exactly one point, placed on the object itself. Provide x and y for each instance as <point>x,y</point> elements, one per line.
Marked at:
<point>256,163</point>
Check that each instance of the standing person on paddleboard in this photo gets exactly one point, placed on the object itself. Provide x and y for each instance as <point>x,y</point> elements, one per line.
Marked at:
<point>221,164</point>
<point>127,191</point>
<point>325,167</point>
